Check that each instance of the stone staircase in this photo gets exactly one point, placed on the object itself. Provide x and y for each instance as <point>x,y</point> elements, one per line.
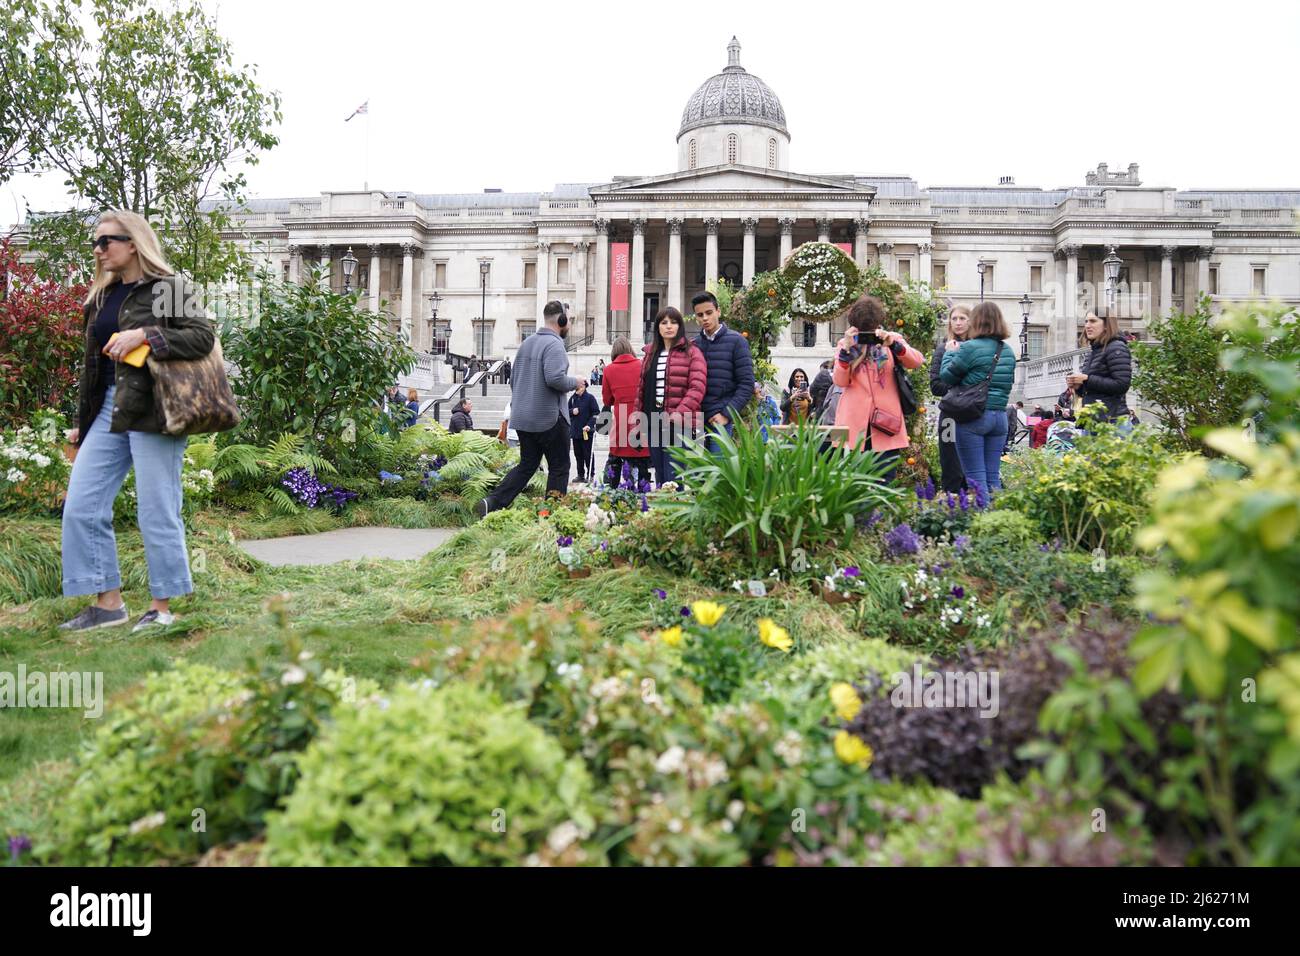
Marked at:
<point>487,409</point>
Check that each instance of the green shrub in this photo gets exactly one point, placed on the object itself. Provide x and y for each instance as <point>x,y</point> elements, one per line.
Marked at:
<point>778,494</point>
<point>1009,526</point>
<point>480,785</point>
<point>33,470</point>
<point>507,520</point>
<point>567,521</point>
<point>1096,496</point>
<point>195,744</point>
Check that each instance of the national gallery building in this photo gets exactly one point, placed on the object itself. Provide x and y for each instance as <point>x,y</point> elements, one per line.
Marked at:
<point>470,272</point>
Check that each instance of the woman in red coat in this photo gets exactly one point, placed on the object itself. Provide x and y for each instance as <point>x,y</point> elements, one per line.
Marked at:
<point>619,386</point>
<point>673,377</point>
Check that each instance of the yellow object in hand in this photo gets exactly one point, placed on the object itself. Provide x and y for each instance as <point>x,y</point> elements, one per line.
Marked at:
<point>134,357</point>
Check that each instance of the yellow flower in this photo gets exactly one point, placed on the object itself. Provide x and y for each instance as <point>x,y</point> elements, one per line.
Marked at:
<point>852,750</point>
<point>1044,480</point>
<point>846,700</point>
<point>672,637</point>
<point>773,635</point>
<point>707,612</point>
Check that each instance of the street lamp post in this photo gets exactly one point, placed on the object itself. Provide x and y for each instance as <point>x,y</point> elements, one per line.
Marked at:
<point>1111,264</point>
<point>981,269</point>
<point>484,266</point>
<point>1025,304</point>
<point>434,299</point>
<point>349,265</point>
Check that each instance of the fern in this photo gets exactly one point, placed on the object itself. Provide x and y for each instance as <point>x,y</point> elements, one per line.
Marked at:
<point>281,502</point>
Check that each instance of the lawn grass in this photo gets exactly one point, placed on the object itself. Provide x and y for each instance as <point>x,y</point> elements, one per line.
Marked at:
<point>369,617</point>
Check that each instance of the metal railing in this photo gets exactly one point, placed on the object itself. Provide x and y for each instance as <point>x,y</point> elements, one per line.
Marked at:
<point>573,344</point>
<point>457,392</point>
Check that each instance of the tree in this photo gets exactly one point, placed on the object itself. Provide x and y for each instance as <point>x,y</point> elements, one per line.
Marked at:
<point>1181,375</point>
<point>140,108</point>
<point>311,361</point>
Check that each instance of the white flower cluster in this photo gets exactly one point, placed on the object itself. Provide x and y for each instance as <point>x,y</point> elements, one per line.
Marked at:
<point>25,447</point>
<point>822,288</point>
<point>571,671</point>
<point>698,768</point>
<point>597,518</point>
<point>790,748</point>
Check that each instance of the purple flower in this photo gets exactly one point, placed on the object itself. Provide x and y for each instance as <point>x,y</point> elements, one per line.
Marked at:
<point>645,505</point>
<point>661,594</point>
<point>936,569</point>
<point>961,542</point>
<point>926,491</point>
<point>851,572</point>
<point>686,612</point>
<point>961,497</point>
<point>565,541</point>
<point>958,591</point>
<point>604,546</point>
<point>902,540</point>
<point>18,845</point>
<point>874,518</point>
<point>981,496</point>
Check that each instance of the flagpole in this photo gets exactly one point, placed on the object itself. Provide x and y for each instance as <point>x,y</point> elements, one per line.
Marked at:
<point>365,179</point>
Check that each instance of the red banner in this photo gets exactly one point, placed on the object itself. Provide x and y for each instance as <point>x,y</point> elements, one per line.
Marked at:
<point>847,247</point>
<point>620,256</point>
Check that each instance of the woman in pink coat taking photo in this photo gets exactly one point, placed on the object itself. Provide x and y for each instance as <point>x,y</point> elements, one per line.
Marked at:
<point>864,368</point>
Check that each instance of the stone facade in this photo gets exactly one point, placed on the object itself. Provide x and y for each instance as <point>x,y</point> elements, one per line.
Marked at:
<point>733,208</point>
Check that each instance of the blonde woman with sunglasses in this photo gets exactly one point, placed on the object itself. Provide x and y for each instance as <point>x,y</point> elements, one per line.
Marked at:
<point>135,300</point>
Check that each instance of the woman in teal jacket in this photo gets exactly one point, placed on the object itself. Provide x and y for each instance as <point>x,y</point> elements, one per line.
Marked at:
<point>980,442</point>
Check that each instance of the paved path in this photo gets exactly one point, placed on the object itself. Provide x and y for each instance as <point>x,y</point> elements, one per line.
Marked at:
<point>349,544</point>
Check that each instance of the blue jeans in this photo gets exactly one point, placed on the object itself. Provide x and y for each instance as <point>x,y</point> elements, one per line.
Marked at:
<point>979,447</point>
<point>710,444</point>
<point>89,545</point>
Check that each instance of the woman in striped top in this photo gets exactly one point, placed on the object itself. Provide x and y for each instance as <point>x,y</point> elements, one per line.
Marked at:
<point>673,379</point>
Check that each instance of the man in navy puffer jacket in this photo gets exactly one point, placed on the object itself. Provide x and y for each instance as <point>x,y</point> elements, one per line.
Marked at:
<point>730,385</point>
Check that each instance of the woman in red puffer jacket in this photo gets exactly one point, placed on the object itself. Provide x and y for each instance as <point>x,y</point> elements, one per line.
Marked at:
<point>673,378</point>
<point>620,385</point>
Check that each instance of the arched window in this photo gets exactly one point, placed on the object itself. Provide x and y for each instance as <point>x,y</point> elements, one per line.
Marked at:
<point>732,144</point>
<point>691,155</point>
<point>771,153</point>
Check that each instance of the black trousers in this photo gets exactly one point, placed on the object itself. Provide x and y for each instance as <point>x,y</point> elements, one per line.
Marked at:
<point>951,477</point>
<point>582,455</point>
<point>639,466</point>
<point>553,444</point>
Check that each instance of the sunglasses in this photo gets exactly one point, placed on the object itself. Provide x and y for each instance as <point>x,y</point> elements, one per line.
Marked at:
<point>102,242</point>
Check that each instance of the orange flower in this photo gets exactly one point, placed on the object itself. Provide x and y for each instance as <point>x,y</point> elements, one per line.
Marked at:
<point>543,513</point>
<point>745,334</point>
<point>911,461</point>
<point>899,323</point>
<point>771,293</point>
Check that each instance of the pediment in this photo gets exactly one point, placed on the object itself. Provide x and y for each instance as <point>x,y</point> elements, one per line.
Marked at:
<point>732,178</point>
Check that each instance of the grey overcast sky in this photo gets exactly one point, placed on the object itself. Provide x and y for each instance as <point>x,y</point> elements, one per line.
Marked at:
<point>521,96</point>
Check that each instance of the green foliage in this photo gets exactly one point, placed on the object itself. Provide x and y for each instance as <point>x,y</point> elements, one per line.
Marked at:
<point>1196,374</point>
<point>33,470</point>
<point>314,362</point>
<point>1009,526</point>
<point>194,739</point>
<point>140,108</point>
<point>779,494</point>
<point>722,657</point>
<point>508,519</point>
<point>1096,496</point>
<point>567,521</point>
<point>251,468</point>
<point>481,786</point>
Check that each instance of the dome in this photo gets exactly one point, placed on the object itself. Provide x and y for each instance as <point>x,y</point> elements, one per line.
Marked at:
<point>733,96</point>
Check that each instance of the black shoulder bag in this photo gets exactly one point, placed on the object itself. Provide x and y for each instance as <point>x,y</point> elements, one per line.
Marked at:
<point>906,394</point>
<point>965,403</point>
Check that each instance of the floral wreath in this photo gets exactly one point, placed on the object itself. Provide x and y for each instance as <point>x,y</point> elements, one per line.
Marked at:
<point>822,281</point>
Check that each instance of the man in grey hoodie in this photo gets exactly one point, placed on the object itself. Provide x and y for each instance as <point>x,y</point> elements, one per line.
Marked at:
<point>539,383</point>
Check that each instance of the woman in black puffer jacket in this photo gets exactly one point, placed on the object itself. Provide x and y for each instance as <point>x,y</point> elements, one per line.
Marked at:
<point>1107,370</point>
<point>951,478</point>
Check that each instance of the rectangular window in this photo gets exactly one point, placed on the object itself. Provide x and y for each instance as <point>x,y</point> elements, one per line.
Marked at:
<point>809,335</point>
<point>526,329</point>
<point>561,271</point>
<point>1035,278</point>
<point>1037,343</point>
<point>440,275</point>
<point>1214,280</point>
<point>1257,281</point>
<point>483,338</point>
<point>904,271</point>
<point>940,270</point>
<point>441,337</point>
<point>988,277</point>
<point>530,276</point>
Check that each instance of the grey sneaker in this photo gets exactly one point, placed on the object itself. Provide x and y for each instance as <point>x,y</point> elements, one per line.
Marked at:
<point>153,618</point>
<point>93,617</point>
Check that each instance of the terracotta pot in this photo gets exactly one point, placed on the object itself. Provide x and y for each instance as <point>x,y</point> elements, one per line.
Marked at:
<point>579,572</point>
<point>839,597</point>
<point>619,561</point>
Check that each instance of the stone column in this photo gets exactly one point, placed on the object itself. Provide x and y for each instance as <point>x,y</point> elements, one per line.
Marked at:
<point>325,266</point>
<point>1203,254</point>
<point>580,284</point>
<point>711,250</point>
<point>374,278</point>
<point>295,264</point>
<point>927,267</point>
<point>543,277</point>
<point>675,263</point>
<point>860,227</point>
<point>823,229</point>
<point>1167,279</point>
<point>750,230</point>
<point>787,240</point>
<point>636,318</point>
<point>408,288</point>
<point>886,257</point>
<point>602,281</point>
<point>1068,334</point>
